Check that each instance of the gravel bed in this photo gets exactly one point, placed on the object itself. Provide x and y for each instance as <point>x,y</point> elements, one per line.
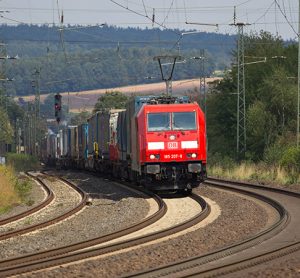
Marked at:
<point>35,196</point>
<point>226,230</point>
<point>65,198</point>
<point>113,208</point>
<point>293,187</point>
<point>288,266</point>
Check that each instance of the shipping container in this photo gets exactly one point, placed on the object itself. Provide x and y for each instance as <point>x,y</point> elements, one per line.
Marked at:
<point>82,141</point>
<point>93,133</point>
<point>122,135</point>
<point>64,132</point>
<point>73,142</point>
<point>60,144</point>
<point>52,146</point>
<point>107,131</point>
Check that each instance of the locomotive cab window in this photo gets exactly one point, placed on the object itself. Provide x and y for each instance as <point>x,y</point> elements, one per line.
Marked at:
<point>184,121</point>
<point>159,121</point>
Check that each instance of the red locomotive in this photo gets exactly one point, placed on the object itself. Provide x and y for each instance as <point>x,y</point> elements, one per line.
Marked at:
<point>165,143</point>
<point>158,142</point>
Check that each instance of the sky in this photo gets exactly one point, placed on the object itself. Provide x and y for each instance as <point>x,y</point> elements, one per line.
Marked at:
<point>276,16</point>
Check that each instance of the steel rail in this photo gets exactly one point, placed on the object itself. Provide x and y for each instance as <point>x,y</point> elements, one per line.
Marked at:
<point>54,220</point>
<point>192,267</point>
<point>44,203</point>
<point>162,209</point>
<point>33,263</point>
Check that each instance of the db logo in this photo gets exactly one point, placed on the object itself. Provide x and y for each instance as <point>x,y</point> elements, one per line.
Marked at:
<point>172,145</point>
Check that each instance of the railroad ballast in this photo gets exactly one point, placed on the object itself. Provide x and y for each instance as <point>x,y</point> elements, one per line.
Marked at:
<point>158,142</point>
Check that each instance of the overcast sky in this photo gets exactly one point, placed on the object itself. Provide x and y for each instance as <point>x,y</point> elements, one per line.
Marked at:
<point>261,14</point>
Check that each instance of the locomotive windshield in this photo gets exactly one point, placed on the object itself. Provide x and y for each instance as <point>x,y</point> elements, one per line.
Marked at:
<point>159,121</point>
<point>184,121</point>
<point>171,121</point>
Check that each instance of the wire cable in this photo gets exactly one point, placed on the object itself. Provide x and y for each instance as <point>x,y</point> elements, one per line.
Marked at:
<point>265,13</point>
<point>145,8</point>
<point>245,2</point>
<point>146,16</point>
<point>289,23</point>
<point>168,12</point>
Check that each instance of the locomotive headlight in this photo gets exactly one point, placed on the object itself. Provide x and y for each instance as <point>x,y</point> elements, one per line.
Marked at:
<point>154,156</point>
<point>172,137</point>
<point>191,155</point>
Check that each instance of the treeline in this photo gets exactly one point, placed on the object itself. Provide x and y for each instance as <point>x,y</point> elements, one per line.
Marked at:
<point>96,69</point>
<point>47,39</point>
<point>92,58</point>
<point>271,105</point>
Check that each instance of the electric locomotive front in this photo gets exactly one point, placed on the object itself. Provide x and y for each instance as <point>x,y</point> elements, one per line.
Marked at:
<point>171,148</point>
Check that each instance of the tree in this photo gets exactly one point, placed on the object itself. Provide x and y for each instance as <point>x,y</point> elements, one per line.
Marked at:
<point>261,129</point>
<point>80,118</point>
<point>221,118</point>
<point>270,99</point>
<point>6,131</point>
<point>111,100</point>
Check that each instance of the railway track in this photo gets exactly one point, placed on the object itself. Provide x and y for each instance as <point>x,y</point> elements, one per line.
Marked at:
<point>49,198</point>
<point>70,212</point>
<point>93,247</point>
<point>280,239</point>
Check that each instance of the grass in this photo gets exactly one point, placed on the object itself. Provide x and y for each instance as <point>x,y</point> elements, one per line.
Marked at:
<point>13,190</point>
<point>258,173</point>
<point>9,195</point>
<point>22,162</point>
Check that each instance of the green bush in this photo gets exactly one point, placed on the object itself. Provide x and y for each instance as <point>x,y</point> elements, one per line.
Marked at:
<point>273,154</point>
<point>225,162</point>
<point>291,159</point>
<point>22,162</point>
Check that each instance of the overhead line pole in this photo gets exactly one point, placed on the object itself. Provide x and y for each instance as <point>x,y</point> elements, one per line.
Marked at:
<point>298,102</point>
<point>241,134</point>
<point>36,85</point>
<point>241,100</point>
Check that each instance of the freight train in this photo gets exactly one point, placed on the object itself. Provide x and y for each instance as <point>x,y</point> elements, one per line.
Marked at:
<point>157,142</point>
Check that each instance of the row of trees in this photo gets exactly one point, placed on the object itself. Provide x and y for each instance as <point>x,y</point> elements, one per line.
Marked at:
<point>271,103</point>
<point>103,57</point>
<point>34,41</point>
<point>104,68</point>
<point>9,113</point>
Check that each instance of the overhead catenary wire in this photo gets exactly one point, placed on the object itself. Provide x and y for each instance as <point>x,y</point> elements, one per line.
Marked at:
<point>243,3</point>
<point>145,8</point>
<point>287,20</point>
<point>168,12</point>
<point>265,13</point>
<point>146,16</point>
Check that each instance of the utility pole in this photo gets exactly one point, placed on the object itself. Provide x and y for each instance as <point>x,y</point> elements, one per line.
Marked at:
<point>241,135</point>
<point>3,58</point>
<point>3,74</point>
<point>202,86</point>
<point>36,84</point>
<point>36,116</point>
<point>241,95</point>
<point>28,130</point>
<point>4,101</point>
<point>298,102</point>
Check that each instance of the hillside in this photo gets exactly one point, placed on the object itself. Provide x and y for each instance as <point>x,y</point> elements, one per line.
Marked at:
<point>85,100</point>
<point>105,57</point>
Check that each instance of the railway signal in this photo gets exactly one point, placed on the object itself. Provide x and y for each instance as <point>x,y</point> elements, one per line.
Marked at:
<point>57,107</point>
